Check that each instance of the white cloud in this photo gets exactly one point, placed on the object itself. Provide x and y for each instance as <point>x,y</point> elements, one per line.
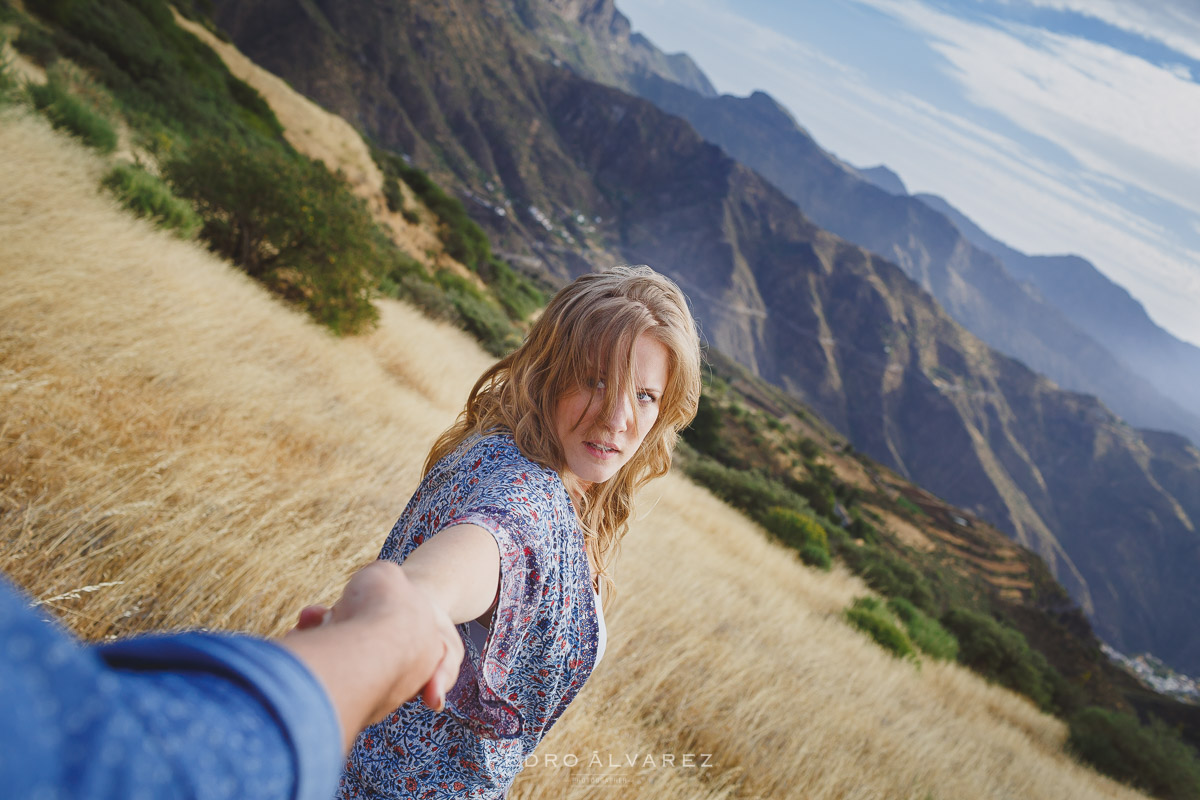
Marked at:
<point>1174,23</point>
<point>1117,114</point>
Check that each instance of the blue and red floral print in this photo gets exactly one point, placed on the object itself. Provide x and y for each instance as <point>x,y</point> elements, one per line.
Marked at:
<point>539,651</point>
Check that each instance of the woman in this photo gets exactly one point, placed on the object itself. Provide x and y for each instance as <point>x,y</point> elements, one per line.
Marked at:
<point>516,521</point>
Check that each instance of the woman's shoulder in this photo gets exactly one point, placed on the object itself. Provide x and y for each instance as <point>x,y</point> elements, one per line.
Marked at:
<point>495,457</point>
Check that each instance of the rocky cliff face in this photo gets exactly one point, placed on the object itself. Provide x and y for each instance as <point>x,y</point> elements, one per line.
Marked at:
<point>607,48</point>
<point>969,281</point>
<point>616,179</point>
<point>1098,307</point>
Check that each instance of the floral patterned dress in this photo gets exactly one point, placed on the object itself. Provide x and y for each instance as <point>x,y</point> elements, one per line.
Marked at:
<point>540,649</point>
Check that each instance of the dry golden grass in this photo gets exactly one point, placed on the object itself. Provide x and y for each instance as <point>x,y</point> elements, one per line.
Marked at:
<point>178,449</point>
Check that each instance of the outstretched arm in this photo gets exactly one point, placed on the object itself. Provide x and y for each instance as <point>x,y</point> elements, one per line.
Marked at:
<point>458,569</point>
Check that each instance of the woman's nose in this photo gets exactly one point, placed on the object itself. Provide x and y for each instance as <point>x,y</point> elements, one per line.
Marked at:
<point>622,410</point>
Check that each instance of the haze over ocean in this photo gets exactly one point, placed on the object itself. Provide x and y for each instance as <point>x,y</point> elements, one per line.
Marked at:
<point>1059,126</point>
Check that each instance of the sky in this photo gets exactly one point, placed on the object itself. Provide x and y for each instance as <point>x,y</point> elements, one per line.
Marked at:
<point>1058,126</point>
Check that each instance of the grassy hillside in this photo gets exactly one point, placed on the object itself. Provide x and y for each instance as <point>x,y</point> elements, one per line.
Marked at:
<point>181,449</point>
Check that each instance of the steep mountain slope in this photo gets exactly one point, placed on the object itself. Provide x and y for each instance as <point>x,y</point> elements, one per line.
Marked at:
<point>970,282</point>
<point>1097,306</point>
<point>843,329</point>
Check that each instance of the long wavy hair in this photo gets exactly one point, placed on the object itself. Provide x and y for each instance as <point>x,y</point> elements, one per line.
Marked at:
<point>587,332</point>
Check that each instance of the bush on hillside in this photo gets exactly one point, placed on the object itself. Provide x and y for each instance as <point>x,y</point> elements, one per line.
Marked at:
<point>37,45</point>
<point>516,294</point>
<point>889,575</point>
<point>392,194</point>
<point>871,616</point>
<point>479,316</point>
<point>800,531</point>
<point>816,556</point>
<point>749,491</point>
<point>148,196</point>
<point>290,223</point>
<point>1151,757</point>
<point>8,78</point>
<point>925,632</point>
<point>704,433</point>
<point>1001,654</point>
<point>67,112</point>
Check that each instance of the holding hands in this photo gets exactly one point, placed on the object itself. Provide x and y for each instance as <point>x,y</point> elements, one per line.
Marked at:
<point>381,643</point>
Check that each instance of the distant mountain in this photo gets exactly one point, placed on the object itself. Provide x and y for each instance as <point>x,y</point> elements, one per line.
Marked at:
<point>596,40</point>
<point>883,178</point>
<point>1099,307</point>
<point>970,283</point>
<point>591,175</point>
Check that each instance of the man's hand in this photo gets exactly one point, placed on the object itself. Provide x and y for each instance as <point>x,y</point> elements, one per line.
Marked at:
<point>381,643</point>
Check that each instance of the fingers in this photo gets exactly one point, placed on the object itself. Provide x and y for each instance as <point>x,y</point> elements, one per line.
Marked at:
<point>313,616</point>
<point>433,693</point>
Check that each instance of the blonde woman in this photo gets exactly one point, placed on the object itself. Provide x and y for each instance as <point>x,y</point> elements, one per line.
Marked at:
<point>514,526</point>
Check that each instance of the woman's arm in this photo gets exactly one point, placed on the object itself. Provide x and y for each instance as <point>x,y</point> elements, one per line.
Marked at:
<point>459,570</point>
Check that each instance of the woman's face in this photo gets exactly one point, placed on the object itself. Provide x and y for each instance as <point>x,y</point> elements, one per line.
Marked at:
<point>596,448</point>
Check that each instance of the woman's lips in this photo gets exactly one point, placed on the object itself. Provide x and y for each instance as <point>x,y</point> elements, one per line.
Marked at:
<point>602,451</point>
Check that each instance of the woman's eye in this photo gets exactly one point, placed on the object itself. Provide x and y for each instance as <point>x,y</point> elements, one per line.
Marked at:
<point>646,397</point>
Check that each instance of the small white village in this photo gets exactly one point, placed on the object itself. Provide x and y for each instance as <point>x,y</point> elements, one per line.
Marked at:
<point>1156,675</point>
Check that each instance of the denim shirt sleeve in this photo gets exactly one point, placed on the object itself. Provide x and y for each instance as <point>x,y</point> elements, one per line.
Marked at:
<point>186,716</point>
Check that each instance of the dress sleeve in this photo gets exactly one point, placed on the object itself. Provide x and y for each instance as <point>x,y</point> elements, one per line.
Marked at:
<point>485,698</point>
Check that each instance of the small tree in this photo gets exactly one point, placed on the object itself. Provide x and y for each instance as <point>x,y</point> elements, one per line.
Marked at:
<point>288,222</point>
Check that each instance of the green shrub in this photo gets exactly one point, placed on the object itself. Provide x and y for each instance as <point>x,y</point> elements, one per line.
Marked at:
<point>288,222</point>
<point>861,529</point>
<point>818,494</point>
<point>815,556</point>
<point>752,492</point>
<point>870,616</point>
<point>800,531</point>
<point>462,237</point>
<point>1151,757</point>
<point>1001,654</point>
<point>69,113</point>
<point>516,293</point>
<point>148,196</point>
<point>889,575</point>
<point>8,78</point>
<point>704,433</point>
<point>925,632</point>
<point>908,505</point>
<point>37,44</point>
<point>393,194</point>
<point>485,322</point>
<point>808,448</point>
<point>795,528</point>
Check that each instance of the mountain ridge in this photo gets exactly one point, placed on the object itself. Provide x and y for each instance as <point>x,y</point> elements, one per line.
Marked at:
<point>1097,305</point>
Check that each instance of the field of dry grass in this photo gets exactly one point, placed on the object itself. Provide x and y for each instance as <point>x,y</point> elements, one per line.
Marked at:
<point>178,449</point>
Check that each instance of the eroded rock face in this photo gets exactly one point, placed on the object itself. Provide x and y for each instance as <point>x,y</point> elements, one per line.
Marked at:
<point>848,332</point>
